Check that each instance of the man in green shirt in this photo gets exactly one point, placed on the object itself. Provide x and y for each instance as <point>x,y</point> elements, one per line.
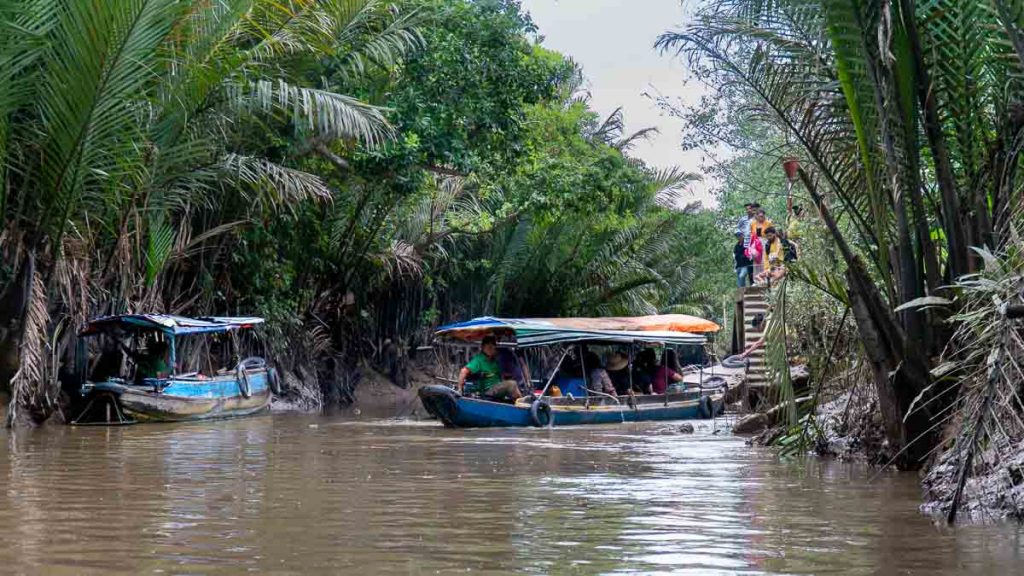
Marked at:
<point>489,381</point>
<point>152,363</point>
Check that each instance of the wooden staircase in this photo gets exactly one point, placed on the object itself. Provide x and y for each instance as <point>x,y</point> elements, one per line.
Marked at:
<point>753,301</point>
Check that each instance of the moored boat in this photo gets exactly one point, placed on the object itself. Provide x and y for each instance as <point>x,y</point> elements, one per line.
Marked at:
<point>115,393</point>
<point>586,405</point>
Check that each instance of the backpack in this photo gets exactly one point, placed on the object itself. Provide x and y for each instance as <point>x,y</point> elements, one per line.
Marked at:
<point>789,251</point>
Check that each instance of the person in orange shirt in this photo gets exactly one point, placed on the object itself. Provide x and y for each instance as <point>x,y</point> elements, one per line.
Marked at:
<point>760,225</point>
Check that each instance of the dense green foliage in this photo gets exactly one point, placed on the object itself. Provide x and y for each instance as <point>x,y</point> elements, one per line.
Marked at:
<point>354,170</point>
<point>906,118</point>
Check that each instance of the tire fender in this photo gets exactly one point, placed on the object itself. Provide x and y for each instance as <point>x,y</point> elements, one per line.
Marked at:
<point>243,382</point>
<point>274,381</point>
<point>540,413</point>
<point>706,408</point>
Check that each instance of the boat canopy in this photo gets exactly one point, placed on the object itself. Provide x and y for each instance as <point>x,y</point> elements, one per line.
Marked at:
<point>529,332</point>
<point>169,324</point>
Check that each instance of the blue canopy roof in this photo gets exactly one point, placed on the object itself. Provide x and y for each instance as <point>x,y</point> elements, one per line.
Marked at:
<point>530,332</point>
<point>169,323</point>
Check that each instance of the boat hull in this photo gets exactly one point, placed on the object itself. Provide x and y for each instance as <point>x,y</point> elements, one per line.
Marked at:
<point>457,411</point>
<point>181,400</point>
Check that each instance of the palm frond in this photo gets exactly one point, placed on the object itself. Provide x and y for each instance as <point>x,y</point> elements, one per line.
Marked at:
<point>99,63</point>
<point>159,245</point>
<point>626,143</point>
<point>777,355</point>
<point>379,36</point>
<point>320,112</point>
<point>670,185</point>
<point>276,186</point>
<point>30,387</point>
<point>610,129</point>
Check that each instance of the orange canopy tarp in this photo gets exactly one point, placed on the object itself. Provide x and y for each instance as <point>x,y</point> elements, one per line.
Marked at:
<point>658,323</point>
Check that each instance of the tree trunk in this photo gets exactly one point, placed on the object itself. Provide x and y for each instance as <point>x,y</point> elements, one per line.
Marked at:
<point>899,375</point>
<point>900,371</point>
<point>13,300</point>
<point>956,237</point>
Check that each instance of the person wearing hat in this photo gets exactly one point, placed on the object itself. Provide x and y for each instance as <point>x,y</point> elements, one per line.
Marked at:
<point>618,371</point>
<point>744,265</point>
<point>488,380</point>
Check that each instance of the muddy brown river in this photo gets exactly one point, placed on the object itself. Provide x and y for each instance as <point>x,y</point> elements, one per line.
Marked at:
<point>289,494</point>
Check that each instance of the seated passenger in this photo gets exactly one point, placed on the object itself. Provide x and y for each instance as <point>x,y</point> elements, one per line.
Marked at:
<point>644,368</point>
<point>510,367</point>
<point>569,374</point>
<point>597,377</point>
<point>152,363</point>
<point>108,364</point>
<point>666,373</point>
<point>618,370</point>
<point>487,374</point>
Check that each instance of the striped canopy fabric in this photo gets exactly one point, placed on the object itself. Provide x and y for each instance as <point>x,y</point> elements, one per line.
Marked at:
<point>169,324</point>
<point>529,332</point>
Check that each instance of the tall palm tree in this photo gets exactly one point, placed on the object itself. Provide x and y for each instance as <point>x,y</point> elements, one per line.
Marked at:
<point>119,139</point>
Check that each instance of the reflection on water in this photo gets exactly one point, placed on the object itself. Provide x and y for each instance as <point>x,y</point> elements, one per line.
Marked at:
<point>291,494</point>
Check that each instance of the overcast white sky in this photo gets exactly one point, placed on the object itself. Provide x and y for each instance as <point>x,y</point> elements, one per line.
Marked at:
<point>613,41</point>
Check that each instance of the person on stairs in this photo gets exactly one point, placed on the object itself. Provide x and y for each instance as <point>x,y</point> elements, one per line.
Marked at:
<point>775,253</point>
<point>744,265</point>
<point>760,224</point>
<point>758,323</point>
<point>743,226</point>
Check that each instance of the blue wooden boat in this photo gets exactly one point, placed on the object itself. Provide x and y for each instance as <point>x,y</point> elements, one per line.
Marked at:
<point>457,411</point>
<point>540,408</point>
<point>119,399</point>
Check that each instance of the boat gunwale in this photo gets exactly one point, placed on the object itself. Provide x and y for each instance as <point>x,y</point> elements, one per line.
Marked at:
<point>190,377</point>
<point>120,387</point>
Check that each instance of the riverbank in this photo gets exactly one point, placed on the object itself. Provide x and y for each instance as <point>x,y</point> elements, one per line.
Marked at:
<point>374,396</point>
<point>850,429</point>
<point>847,428</point>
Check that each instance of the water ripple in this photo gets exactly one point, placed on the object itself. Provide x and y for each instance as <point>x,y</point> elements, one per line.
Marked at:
<point>297,495</point>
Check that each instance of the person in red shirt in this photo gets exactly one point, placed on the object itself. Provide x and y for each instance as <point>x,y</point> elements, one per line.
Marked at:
<point>666,373</point>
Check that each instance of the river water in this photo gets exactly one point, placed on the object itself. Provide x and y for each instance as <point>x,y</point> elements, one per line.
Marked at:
<point>290,494</point>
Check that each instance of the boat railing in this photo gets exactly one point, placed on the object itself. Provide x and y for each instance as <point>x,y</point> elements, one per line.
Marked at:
<point>604,394</point>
